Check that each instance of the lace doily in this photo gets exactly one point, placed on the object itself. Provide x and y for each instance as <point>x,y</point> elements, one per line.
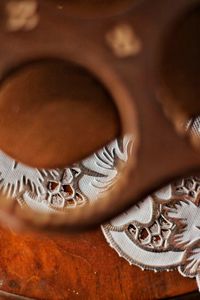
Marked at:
<point>161,233</point>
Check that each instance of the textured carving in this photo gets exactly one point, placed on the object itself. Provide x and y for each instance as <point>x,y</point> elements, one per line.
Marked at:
<point>63,189</point>
<point>162,232</point>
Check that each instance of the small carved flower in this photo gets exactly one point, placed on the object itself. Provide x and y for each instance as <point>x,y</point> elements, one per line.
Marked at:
<point>189,187</point>
<point>154,235</point>
<point>22,15</point>
<point>123,40</point>
<point>62,194</point>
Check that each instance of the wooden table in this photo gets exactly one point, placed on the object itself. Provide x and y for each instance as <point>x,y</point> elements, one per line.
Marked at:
<point>78,267</point>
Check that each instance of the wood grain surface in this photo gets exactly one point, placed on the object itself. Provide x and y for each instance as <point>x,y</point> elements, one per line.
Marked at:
<point>78,267</point>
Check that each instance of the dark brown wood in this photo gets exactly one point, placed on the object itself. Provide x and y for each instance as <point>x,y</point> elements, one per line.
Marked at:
<point>78,267</point>
<point>180,67</point>
<point>96,8</point>
<point>134,82</point>
<point>190,296</point>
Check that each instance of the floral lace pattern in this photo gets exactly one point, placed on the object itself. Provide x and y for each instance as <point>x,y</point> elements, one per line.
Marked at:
<point>160,233</point>
<point>171,240</point>
<point>63,189</point>
<point>163,231</point>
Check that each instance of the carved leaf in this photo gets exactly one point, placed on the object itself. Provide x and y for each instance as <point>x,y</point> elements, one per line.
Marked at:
<point>187,217</point>
<point>15,176</point>
<point>191,260</point>
<point>100,170</point>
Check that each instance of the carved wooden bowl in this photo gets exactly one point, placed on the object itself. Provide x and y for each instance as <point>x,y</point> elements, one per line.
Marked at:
<point>140,55</point>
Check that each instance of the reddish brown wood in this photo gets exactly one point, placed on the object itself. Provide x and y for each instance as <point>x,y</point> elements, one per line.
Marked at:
<point>78,267</point>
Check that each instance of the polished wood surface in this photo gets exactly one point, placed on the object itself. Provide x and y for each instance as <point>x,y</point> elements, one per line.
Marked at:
<point>84,43</point>
<point>133,81</point>
<point>180,68</point>
<point>57,106</point>
<point>78,267</point>
<point>83,266</point>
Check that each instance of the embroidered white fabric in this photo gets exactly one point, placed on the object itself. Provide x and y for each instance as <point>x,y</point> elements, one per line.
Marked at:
<point>161,233</point>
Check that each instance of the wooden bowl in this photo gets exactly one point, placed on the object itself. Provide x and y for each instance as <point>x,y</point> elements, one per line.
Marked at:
<point>127,54</point>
